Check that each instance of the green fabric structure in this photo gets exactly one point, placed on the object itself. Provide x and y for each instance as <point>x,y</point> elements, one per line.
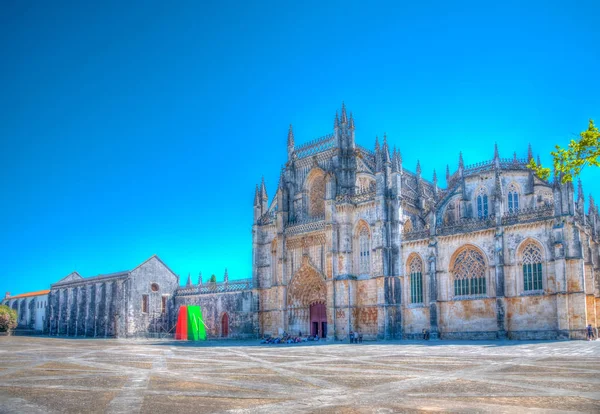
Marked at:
<point>196,329</point>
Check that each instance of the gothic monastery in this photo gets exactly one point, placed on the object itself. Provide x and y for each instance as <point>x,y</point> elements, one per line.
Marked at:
<point>353,240</point>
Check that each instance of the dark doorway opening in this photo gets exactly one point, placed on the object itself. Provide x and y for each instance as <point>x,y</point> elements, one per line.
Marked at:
<point>318,319</point>
<point>225,326</point>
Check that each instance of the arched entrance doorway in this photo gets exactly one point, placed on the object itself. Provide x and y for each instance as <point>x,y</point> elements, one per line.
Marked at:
<point>307,296</point>
<point>318,320</point>
<point>225,326</point>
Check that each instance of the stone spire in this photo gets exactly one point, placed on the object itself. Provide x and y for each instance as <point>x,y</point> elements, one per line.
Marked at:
<point>515,161</point>
<point>378,156</point>
<point>498,184</point>
<point>344,116</point>
<point>591,208</point>
<point>189,280</point>
<point>200,279</point>
<point>434,178</point>
<point>394,157</point>
<point>386,150</point>
<point>256,197</point>
<point>529,153</point>
<point>281,182</point>
<point>263,189</point>
<point>290,142</point>
<point>496,153</point>
<point>226,277</point>
<point>447,174</point>
<point>418,169</point>
<point>336,122</point>
<point>461,163</point>
<point>539,162</point>
<point>351,121</point>
<point>580,193</point>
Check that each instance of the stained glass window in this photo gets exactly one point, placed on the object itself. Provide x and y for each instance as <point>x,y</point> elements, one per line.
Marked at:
<point>513,199</point>
<point>482,204</point>
<point>364,248</point>
<point>469,273</point>
<point>416,280</point>
<point>532,267</point>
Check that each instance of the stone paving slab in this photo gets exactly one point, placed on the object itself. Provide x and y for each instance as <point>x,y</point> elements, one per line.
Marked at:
<point>64,375</point>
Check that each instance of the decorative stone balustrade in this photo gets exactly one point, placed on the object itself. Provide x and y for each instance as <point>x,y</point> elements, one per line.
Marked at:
<point>231,286</point>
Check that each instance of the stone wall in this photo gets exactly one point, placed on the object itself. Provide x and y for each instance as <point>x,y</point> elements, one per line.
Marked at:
<point>241,308</point>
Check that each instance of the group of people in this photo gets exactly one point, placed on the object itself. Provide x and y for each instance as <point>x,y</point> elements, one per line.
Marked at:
<point>286,338</point>
<point>356,337</point>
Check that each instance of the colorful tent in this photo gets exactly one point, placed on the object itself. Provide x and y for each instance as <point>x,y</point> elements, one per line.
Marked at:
<point>190,325</point>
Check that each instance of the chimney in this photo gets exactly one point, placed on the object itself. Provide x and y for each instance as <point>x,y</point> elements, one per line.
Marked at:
<point>7,295</point>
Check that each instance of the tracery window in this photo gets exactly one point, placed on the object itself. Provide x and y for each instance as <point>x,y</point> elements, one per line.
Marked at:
<point>513,198</point>
<point>364,250</point>
<point>316,196</point>
<point>482,204</point>
<point>469,273</point>
<point>532,267</point>
<point>416,280</point>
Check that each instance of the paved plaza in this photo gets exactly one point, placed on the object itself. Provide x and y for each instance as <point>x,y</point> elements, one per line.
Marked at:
<point>47,375</point>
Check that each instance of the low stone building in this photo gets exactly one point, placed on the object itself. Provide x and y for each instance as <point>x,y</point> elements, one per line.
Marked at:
<point>122,304</point>
<point>30,307</point>
<point>229,309</point>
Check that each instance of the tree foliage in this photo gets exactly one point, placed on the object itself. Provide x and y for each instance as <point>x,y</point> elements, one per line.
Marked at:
<point>213,279</point>
<point>569,162</point>
<point>8,318</point>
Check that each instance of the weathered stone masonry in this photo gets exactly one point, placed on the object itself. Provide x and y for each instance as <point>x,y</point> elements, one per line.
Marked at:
<point>497,253</point>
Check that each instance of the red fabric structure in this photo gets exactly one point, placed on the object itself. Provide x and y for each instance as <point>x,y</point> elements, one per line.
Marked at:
<point>181,332</point>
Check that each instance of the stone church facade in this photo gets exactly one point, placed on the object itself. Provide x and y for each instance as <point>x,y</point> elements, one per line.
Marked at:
<point>352,240</point>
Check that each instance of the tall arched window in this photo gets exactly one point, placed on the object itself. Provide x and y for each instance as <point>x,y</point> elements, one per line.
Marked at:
<point>469,272</point>
<point>532,267</point>
<point>316,195</point>
<point>482,204</point>
<point>513,198</point>
<point>364,250</point>
<point>415,267</point>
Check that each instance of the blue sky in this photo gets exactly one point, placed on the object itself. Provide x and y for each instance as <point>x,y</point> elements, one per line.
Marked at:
<point>134,129</point>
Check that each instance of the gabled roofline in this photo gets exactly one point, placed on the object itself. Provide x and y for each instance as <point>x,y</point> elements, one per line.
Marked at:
<point>157,258</point>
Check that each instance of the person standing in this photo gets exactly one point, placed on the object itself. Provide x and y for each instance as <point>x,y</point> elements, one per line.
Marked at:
<point>590,332</point>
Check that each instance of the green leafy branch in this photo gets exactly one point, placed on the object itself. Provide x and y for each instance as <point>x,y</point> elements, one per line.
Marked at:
<point>569,162</point>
